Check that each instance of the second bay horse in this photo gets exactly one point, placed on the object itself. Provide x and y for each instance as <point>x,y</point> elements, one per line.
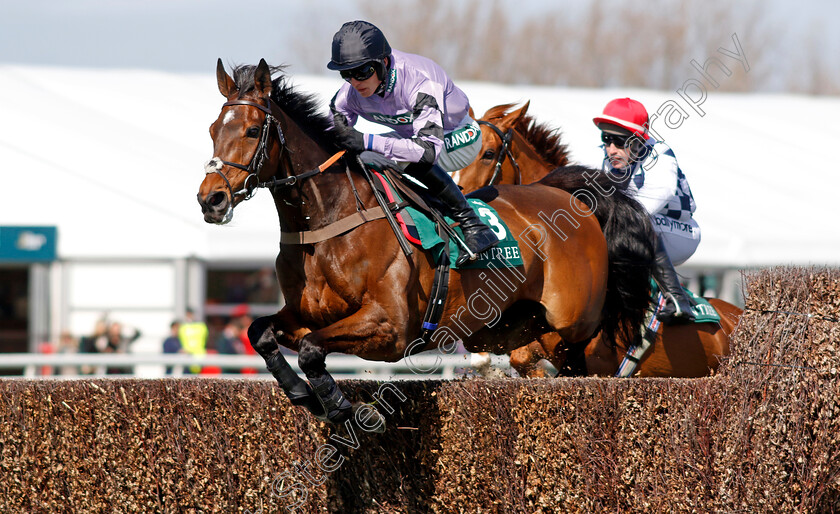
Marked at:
<point>517,149</point>
<point>687,351</point>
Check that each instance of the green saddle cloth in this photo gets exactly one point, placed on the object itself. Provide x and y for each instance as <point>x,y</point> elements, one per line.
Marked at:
<point>504,255</point>
<point>702,309</point>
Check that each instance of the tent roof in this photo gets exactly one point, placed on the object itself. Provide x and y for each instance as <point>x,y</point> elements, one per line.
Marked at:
<point>114,158</point>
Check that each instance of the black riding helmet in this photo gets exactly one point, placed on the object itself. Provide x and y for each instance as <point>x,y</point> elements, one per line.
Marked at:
<point>357,43</point>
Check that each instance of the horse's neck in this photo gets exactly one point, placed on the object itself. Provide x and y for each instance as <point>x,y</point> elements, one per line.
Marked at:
<point>330,197</point>
<point>532,165</point>
<point>320,201</point>
<point>316,201</point>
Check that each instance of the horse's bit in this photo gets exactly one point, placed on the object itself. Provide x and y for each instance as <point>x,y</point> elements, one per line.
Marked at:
<point>504,151</point>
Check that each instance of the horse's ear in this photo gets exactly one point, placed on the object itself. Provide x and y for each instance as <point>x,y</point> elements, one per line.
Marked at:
<point>513,117</point>
<point>262,78</point>
<point>226,84</point>
<point>472,114</point>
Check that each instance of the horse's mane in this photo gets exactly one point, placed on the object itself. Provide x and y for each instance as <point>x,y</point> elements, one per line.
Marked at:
<point>304,108</point>
<point>629,234</point>
<point>545,140</point>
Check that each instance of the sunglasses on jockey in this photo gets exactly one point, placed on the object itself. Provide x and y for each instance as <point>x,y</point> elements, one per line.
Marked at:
<point>616,139</point>
<point>361,73</point>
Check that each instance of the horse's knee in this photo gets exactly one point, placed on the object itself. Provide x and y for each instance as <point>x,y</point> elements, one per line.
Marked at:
<point>258,327</point>
<point>261,335</point>
<point>311,357</point>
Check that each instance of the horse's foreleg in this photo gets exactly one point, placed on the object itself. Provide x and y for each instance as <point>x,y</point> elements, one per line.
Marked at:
<point>365,325</point>
<point>263,338</point>
<point>312,360</point>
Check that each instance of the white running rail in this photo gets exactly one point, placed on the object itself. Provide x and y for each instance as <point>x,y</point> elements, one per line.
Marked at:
<point>427,365</point>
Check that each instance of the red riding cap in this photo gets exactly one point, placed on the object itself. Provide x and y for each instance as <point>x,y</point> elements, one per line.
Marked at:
<point>625,113</point>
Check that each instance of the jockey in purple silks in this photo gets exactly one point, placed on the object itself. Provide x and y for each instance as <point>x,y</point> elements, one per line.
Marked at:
<point>432,133</point>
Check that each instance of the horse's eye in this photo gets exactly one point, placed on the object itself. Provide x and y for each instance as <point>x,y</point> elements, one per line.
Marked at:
<point>489,154</point>
<point>252,132</point>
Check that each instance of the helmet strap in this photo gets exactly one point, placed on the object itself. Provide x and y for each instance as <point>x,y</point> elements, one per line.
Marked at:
<point>382,72</point>
<point>638,150</point>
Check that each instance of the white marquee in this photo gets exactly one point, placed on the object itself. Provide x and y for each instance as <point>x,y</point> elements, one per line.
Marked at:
<point>114,158</point>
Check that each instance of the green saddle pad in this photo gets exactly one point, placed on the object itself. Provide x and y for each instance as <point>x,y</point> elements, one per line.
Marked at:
<point>504,255</point>
<point>702,309</point>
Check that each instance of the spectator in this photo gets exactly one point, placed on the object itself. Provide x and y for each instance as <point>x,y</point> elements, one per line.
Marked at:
<point>68,344</point>
<point>242,321</point>
<point>118,340</point>
<point>172,344</point>
<point>94,343</point>
<point>193,335</point>
<point>46,348</point>
<point>227,342</point>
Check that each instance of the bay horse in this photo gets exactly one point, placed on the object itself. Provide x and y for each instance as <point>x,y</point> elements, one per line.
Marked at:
<point>517,149</point>
<point>353,290</point>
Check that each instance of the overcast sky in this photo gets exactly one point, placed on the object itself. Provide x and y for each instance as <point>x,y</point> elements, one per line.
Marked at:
<point>189,35</point>
<point>173,35</point>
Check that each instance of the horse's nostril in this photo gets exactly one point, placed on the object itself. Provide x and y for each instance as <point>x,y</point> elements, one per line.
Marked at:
<point>216,199</point>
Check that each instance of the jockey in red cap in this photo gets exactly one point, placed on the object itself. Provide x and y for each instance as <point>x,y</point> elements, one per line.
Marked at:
<point>648,169</point>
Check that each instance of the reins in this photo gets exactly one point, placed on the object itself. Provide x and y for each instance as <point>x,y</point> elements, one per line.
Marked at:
<point>294,179</point>
<point>504,151</point>
<point>259,158</point>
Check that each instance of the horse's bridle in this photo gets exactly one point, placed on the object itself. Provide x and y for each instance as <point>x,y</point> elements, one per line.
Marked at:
<point>259,158</point>
<point>260,155</point>
<point>504,151</point>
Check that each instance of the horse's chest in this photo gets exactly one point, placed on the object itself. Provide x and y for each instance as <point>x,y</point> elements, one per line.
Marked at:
<point>326,300</point>
<point>335,281</point>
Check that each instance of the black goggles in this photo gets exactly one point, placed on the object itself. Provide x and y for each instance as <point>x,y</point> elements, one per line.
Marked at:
<point>361,73</point>
<point>617,140</point>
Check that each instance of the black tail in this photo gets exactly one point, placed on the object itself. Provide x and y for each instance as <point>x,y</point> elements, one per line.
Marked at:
<point>629,234</point>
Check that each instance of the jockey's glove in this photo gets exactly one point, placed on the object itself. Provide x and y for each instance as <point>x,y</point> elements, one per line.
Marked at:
<point>349,138</point>
<point>377,160</point>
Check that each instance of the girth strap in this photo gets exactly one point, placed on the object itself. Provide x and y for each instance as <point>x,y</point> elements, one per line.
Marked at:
<point>439,291</point>
<point>333,229</point>
<point>440,283</point>
<point>635,353</point>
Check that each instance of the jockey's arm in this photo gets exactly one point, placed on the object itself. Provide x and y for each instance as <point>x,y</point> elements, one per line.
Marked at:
<point>427,142</point>
<point>660,184</point>
<point>341,112</point>
<point>427,126</point>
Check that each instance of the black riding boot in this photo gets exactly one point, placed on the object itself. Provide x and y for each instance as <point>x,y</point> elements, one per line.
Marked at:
<point>477,236</point>
<point>677,307</point>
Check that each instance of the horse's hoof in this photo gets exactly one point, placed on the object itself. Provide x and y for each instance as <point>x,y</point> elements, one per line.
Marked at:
<point>374,420</point>
<point>311,404</point>
<point>322,417</point>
